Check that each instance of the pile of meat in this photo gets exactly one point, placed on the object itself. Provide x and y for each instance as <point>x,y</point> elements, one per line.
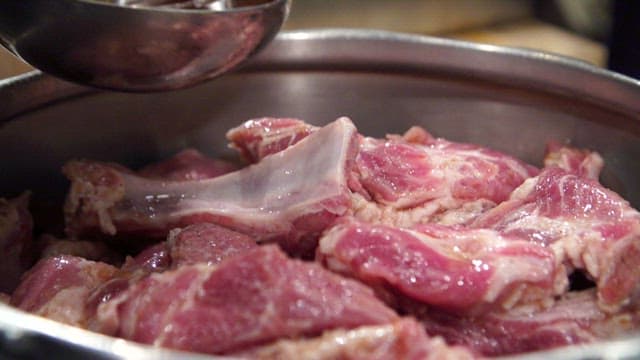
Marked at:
<point>330,244</point>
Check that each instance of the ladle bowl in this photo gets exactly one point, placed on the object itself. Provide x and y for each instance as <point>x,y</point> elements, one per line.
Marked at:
<point>136,47</point>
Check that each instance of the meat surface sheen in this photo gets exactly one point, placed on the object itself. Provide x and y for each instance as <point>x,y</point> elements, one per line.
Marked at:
<point>454,269</point>
<point>206,243</point>
<point>16,227</point>
<point>250,299</point>
<point>188,164</point>
<point>287,198</point>
<point>404,339</point>
<point>196,244</point>
<point>574,319</point>
<point>58,288</point>
<point>588,227</point>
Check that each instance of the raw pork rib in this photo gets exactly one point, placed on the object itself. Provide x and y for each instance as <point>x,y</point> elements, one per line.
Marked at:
<point>404,339</point>
<point>403,180</point>
<point>574,319</point>
<point>249,299</point>
<point>289,198</point>
<point>454,269</point>
<point>58,288</point>
<point>586,225</point>
<point>16,226</point>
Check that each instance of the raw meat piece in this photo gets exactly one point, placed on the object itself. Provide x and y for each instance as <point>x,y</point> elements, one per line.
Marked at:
<point>199,243</point>
<point>155,258</point>
<point>289,198</point>
<point>91,250</point>
<point>455,269</point>
<point>58,288</point>
<point>258,138</point>
<point>206,243</point>
<point>574,319</point>
<point>577,161</point>
<point>247,300</point>
<point>189,164</point>
<point>404,175</point>
<point>462,215</point>
<point>404,339</point>
<point>587,226</point>
<point>16,227</point>
<point>403,180</point>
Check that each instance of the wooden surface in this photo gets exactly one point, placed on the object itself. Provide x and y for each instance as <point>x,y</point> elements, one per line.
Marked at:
<point>534,34</point>
<point>415,16</point>
<point>10,65</point>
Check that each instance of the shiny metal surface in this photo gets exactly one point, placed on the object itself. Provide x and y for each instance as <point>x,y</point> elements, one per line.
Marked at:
<point>512,100</point>
<point>137,48</point>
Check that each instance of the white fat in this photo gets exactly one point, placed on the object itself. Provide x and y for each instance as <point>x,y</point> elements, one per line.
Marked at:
<point>67,306</point>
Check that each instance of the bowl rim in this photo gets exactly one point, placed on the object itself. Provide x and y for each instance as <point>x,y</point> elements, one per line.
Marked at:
<point>358,50</point>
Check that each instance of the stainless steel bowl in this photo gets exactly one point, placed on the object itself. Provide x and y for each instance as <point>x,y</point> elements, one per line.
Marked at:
<point>512,100</point>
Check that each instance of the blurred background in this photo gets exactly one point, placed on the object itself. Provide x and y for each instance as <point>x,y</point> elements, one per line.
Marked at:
<point>602,32</point>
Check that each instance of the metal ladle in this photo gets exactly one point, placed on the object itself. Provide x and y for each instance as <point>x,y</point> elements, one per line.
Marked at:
<point>138,45</point>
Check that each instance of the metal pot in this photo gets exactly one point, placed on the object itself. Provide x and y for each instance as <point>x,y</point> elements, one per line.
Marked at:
<point>509,99</point>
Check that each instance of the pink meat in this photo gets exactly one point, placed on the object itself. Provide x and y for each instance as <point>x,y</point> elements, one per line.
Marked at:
<point>58,288</point>
<point>574,319</point>
<point>154,259</point>
<point>206,243</point>
<point>16,227</point>
<point>581,162</point>
<point>404,339</point>
<point>417,135</point>
<point>188,164</point>
<point>257,138</point>
<point>587,226</point>
<point>404,175</point>
<point>404,180</point>
<point>196,244</point>
<point>250,299</point>
<point>454,269</point>
<point>288,198</point>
